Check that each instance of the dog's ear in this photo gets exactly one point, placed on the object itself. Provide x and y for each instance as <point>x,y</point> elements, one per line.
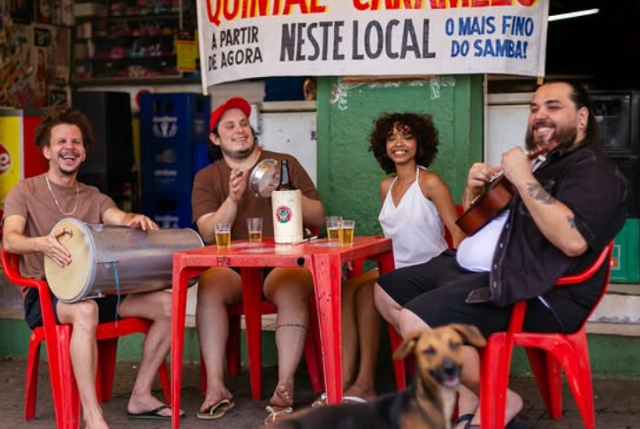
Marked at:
<point>407,346</point>
<point>470,334</point>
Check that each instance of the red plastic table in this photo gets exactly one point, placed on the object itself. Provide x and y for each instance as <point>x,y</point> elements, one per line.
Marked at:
<point>324,259</point>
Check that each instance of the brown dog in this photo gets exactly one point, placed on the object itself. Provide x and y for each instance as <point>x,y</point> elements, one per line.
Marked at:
<point>426,404</point>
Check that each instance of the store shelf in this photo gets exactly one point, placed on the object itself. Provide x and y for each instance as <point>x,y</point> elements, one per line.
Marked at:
<point>129,41</point>
<point>131,59</point>
<point>146,17</point>
<point>122,36</point>
<point>115,81</point>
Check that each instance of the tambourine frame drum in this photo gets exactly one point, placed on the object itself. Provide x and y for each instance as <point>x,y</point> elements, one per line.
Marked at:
<point>115,260</point>
<point>262,180</point>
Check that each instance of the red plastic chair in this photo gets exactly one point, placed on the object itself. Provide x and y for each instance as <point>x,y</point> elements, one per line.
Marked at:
<point>64,390</point>
<point>401,370</point>
<point>548,355</point>
<point>313,357</point>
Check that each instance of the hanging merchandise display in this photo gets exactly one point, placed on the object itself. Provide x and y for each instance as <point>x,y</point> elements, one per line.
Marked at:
<point>126,39</point>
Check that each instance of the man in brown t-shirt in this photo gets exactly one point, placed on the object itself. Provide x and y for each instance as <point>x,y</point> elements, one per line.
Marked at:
<point>220,195</point>
<point>32,208</point>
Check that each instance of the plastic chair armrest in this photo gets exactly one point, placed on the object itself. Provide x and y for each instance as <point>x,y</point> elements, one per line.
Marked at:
<point>11,265</point>
<point>519,309</point>
<point>604,256</point>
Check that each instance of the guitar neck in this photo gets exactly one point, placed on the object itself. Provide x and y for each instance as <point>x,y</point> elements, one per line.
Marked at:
<point>543,149</point>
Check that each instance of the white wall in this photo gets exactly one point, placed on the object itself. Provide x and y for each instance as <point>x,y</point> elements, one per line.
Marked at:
<point>506,124</point>
<point>290,127</point>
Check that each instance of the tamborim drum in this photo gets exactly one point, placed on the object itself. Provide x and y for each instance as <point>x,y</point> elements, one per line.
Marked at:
<point>108,260</point>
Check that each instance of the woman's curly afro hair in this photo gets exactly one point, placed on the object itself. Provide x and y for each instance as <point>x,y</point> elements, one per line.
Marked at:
<point>420,125</point>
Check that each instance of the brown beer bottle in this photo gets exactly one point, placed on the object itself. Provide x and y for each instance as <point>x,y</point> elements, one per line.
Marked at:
<point>285,181</point>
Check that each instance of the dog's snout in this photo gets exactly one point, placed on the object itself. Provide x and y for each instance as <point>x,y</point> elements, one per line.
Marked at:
<point>449,367</point>
<point>448,373</point>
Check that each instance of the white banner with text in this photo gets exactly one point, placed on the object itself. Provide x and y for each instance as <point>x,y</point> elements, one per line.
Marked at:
<point>242,39</point>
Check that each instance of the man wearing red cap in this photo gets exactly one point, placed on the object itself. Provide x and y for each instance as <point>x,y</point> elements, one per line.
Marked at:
<point>220,195</point>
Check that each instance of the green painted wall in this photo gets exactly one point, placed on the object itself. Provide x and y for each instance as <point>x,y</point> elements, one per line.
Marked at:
<point>14,339</point>
<point>349,176</point>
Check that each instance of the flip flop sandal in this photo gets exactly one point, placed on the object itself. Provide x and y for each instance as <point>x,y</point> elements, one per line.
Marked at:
<point>353,400</point>
<point>216,411</point>
<point>151,415</point>
<point>320,402</point>
<point>276,413</point>
<point>463,418</point>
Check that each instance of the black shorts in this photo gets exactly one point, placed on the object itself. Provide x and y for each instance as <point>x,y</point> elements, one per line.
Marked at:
<point>107,308</point>
<point>436,292</point>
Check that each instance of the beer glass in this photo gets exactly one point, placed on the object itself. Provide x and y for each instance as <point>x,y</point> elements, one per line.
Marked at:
<point>333,224</point>
<point>254,225</point>
<point>223,234</point>
<point>346,232</point>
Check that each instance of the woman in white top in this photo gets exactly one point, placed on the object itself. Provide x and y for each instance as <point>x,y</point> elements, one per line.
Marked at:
<point>415,202</point>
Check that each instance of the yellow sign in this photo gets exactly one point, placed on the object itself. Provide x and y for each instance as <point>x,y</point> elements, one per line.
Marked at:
<point>188,52</point>
<point>9,154</point>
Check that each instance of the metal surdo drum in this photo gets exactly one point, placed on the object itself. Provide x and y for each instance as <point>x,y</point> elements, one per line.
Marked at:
<point>110,260</point>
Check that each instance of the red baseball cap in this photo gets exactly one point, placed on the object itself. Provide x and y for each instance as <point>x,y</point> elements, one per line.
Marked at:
<point>232,103</point>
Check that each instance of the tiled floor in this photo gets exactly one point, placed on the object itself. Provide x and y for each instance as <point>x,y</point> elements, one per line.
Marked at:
<point>617,402</point>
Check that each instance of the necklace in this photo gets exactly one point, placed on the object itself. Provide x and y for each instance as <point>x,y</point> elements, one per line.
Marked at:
<point>75,206</point>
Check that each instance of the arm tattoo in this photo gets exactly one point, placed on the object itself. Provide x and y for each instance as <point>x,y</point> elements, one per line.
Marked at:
<point>538,193</point>
<point>572,222</point>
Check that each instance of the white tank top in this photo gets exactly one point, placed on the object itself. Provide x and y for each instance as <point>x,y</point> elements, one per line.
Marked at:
<point>414,226</point>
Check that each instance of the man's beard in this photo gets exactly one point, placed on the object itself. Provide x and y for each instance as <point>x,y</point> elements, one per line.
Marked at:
<point>239,154</point>
<point>566,137</point>
<point>70,173</point>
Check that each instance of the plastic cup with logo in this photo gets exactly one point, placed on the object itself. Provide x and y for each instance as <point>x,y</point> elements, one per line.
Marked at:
<point>254,227</point>
<point>333,224</point>
<point>287,216</point>
<point>346,232</point>
<point>223,234</point>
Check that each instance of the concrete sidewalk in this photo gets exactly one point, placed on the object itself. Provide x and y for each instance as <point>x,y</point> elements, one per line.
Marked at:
<point>617,402</point>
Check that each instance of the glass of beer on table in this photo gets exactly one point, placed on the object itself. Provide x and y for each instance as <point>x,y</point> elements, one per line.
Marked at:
<point>333,224</point>
<point>223,234</point>
<point>346,232</point>
<point>254,226</point>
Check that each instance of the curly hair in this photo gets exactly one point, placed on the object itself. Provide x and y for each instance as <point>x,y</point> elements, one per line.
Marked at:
<point>420,125</point>
<point>63,115</point>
